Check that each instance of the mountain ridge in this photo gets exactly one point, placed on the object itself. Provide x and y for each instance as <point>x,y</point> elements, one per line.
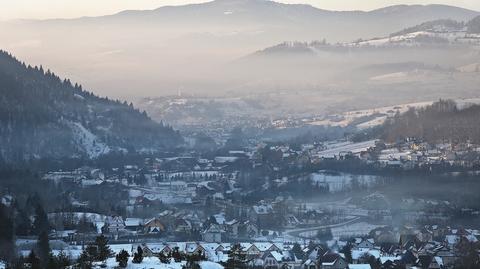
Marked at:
<point>43,117</point>
<point>392,9</point>
<point>186,47</point>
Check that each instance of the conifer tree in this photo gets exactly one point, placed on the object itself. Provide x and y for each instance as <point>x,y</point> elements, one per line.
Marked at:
<point>138,256</point>
<point>6,234</point>
<point>43,248</point>
<point>236,258</point>
<point>122,258</point>
<point>33,260</point>
<point>103,249</point>
<point>40,224</point>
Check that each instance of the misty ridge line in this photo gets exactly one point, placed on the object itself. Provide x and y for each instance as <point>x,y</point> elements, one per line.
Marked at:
<point>322,11</point>
<point>196,48</point>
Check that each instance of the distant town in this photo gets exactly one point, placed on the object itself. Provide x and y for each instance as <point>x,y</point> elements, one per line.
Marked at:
<point>263,199</point>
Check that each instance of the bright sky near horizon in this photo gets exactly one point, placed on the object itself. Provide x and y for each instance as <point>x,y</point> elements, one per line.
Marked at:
<point>42,9</point>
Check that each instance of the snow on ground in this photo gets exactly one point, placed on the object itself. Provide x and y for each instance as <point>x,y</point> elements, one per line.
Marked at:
<point>154,263</point>
<point>469,68</point>
<point>334,150</point>
<point>359,266</point>
<point>355,229</point>
<point>147,263</point>
<point>357,254</point>
<point>404,77</point>
<point>369,124</point>
<point>380,113</point>
<point>332,123</point>
<point>210,265</point>
<point>347,118</point>
<point>390,76</point>
<point>74,252</point>
<point>411,39</point>
<point>87,141</point>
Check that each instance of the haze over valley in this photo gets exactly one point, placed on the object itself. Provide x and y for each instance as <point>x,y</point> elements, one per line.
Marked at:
<point>201,48</point>
<point>240,134</point>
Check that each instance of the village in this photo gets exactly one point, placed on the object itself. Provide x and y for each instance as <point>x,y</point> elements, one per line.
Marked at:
<point>424,247</point>
<point>279,204</point>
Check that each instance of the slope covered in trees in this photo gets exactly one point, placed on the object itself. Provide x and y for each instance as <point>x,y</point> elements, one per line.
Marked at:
<point>431,25</point>
<point>473,26</point>
<point>42,116</point>
<point>442,121</point>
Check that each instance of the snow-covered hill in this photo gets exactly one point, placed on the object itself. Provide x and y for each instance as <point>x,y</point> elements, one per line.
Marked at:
<point>42,116</point>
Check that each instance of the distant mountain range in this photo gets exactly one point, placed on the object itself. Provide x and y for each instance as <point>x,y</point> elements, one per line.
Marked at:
<point>294,20</point>
<point>435,59</point>
<point>42,116</point>
<point>439,47</point>
<point>186,47</point>
<point>431,33</point>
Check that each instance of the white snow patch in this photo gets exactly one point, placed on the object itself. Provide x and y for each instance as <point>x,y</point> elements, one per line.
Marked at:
<point>87,141</point>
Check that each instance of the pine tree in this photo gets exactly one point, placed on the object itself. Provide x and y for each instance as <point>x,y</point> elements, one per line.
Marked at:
<point>347,251</point>
<point>52,262</point>
<point>23,224</point>
<point>164,258</point>
<point>33,260</point>
<point>236,258</point>
<point>6,235</point>
<point>88,256</point>
<point>122,258</point>
<point>62,260</point>
<point>103,249</point>
<point>138,256</point>
<point>194,259</point>
<point>43,248</point>
<point>40,224</point>
<point>297,250</point>
<point>176,255</point>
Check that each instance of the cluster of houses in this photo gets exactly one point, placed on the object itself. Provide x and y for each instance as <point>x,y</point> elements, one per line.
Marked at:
<point>412,153</point>
<point>406,154</point>
<point>198,200</point>
<point>271,255</point>
<point>180,226</point>
<point>431,247</point>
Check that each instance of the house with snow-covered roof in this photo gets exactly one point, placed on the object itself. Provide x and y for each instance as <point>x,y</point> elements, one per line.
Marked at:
<point>359,266</point>
<point>133,224</point>
<point>331,260</point>
<point>213,234</point>
<point>272,260</point>
<point>154,226</point>
<point>115,225</point>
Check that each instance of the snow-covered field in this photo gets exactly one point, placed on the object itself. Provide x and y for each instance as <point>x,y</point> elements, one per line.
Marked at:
<point>154,263</point>
<point>380,114</point>
<point>355,229</point>
<point>333,150</point>
<point>416,39</point>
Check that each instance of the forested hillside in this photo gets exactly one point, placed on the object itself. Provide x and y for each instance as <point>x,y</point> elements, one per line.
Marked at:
<point>442,121</point>
<point>443,24</point>
<point>474,25</point>
<point>42,116</point>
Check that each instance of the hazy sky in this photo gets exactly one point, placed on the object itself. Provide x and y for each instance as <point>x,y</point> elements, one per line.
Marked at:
<point>13,9</point>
